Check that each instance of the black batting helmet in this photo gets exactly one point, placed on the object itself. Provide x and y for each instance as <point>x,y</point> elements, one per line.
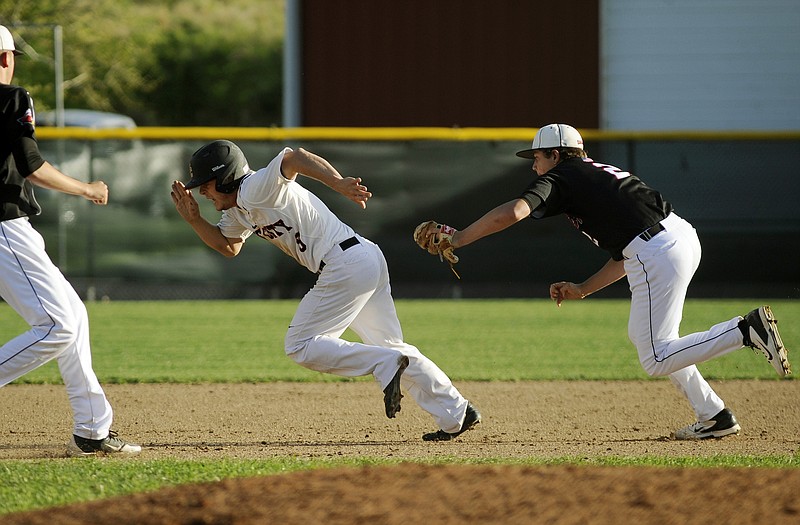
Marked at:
<point>221,160</point>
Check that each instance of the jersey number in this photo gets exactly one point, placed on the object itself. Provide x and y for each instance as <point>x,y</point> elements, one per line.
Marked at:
<point>276,229</point>
<point>608,168</point>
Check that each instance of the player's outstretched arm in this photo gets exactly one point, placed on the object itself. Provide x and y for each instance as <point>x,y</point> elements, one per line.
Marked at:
<point>313,166</point>
<point>47,176</point>
<point>494,221</point>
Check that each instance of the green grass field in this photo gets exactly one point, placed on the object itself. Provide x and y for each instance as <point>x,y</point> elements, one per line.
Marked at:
<point>482,340</point>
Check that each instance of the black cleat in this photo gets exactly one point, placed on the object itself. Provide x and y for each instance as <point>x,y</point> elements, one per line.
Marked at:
<point>721,425</point>
<point>79,446</point>
<point>471,418</point>
<point>762,334</point>
<point>391,394</point>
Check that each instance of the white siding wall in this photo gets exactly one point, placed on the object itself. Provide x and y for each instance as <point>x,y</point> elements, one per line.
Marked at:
<point>700,64</point>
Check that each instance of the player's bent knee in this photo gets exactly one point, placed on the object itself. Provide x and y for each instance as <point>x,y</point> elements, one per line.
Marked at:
<point>292,345</point>
<point>63,335</point>
<point>655,369</point>
<point>52,341</point>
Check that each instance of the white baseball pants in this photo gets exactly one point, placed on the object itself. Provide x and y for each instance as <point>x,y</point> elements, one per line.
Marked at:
<point>37,290</point>
<point>353,291</point>
<point>659,272</point>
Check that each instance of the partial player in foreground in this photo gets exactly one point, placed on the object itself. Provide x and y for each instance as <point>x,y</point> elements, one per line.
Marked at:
<point>352,288</point>
<point>32,285</point>
<point>649,243</point>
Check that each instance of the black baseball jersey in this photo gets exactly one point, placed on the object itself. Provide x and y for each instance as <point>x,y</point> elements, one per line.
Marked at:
<point>607,204</point>
<point>19,154</point>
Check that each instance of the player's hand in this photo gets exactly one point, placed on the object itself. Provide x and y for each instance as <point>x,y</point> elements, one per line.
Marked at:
<point>184,201</point>
<point>563,290</point>
<point>355,191</point>
<point>97,192</point>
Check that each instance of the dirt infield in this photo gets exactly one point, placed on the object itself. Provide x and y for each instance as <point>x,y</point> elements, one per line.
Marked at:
<point>339,420</point>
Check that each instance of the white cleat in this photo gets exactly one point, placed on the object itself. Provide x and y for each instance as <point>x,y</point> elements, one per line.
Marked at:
<point>81,447</point>
<point>762,328</point>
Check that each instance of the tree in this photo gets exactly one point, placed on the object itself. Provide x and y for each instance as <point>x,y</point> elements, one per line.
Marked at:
<point>179,62</point>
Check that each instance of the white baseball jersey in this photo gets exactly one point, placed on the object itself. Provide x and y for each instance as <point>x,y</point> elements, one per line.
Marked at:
<point>352,291</point>
<point>286,214</point>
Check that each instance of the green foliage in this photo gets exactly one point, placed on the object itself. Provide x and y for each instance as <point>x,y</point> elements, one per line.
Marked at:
<point>481,340</point>
<point>215,79</point>
<point>181,62</point>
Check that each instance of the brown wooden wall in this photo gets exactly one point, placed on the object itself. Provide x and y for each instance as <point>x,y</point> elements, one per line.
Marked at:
<point>506,63</point>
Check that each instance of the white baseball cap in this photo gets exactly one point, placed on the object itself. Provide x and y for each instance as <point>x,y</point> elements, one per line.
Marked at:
<point>7,41</point>
<point>553,136</point>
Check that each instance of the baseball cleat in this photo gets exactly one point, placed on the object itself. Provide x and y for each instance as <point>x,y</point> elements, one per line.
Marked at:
<point>721,425</point>
<point>391,394</point>
<point>762,334</point>
<point>79,446</point>
<point>471,418</point>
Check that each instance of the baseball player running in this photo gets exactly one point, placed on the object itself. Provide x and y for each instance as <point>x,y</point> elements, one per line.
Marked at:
<point>649,243</point>
<point>352,288</point>
<point>32,285</point>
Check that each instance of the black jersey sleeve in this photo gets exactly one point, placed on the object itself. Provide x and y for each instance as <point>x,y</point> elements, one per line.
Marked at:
<point>27,156</point>
<point>534,203</point>
<point>24,147</point>
<point>544,198</point>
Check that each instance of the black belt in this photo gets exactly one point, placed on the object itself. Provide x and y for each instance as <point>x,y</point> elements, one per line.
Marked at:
<point>348,243</point>
<point>344,245</point>
<point>651,232</point>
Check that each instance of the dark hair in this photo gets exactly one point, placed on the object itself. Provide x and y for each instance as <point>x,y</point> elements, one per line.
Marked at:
<point>566,153</point>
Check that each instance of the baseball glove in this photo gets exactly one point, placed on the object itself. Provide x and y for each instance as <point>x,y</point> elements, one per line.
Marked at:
<point>436,239</point>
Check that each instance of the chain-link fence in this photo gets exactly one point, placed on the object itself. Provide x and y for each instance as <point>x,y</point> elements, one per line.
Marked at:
<point>740,192</point>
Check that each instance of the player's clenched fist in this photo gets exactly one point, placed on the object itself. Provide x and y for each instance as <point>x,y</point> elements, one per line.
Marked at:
<point>437,239</point>
<point>97,192</point>
<point>562,291</point>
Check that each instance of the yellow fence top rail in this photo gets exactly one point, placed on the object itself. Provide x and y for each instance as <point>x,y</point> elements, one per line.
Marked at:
<point>392,134</point>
